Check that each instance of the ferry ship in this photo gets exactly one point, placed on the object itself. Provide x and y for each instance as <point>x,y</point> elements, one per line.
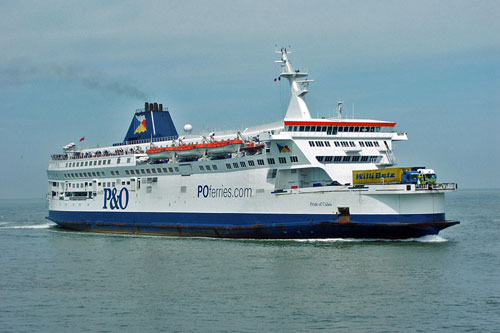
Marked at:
<point>284,180</point>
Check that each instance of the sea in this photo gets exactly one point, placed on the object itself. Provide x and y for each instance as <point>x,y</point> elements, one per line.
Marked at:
<point>53,280</point>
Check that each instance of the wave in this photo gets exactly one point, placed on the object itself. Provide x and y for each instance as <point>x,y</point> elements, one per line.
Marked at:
<point>29,226</point>
<point>423,239</point>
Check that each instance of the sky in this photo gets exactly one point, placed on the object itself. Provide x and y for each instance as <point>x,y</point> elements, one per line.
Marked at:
<point>72,69</point>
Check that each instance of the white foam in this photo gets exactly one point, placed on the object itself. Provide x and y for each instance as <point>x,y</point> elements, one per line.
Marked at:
<point>32,226</point>
<point>424,239</point>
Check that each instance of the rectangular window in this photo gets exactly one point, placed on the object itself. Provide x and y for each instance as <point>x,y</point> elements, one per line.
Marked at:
<point>117,161</point>
<point>301,129</point>
<point>376,144</point>
<point>112,173</point>
<point>202,168</point>
<point>282,160</point>
<point>364,158</point>
<point>294,159</point>
<point>271,173</point>
<point>337,144</point>
<point>228,166</point>
<point>109,161</point>
<point>308,128</point>
<point>158,169</point>
<point>127,172</point>
<point>117,172</point>
<point>143,172</point>
<point>270,161</point>
<point>242,164</point>
<point>165,170</point>
<point>327,143</point>
<point>214,167</point>
<point>352,144</point>
<point>346,158</point>
<point>311,143</point>
<point>320,158</point>
<point>99,162</point>
<point>207,167</point>
<point>251,163</point>
<point>355,158</point>
<point>361,143</point>
<point>235,165</point>
<point>176,169</point>
<point>128,160</point>
<point>260,162</point>
<point>328,159</point>
<point>337,158</point>
<point>153,170</point>
<point>148,171</point>
<point>170,169</point>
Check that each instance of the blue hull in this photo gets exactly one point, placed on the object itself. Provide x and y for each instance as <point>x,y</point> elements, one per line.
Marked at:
<point>255,226</point>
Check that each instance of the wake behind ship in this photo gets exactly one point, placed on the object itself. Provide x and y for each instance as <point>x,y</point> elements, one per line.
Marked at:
<point>297,178</point>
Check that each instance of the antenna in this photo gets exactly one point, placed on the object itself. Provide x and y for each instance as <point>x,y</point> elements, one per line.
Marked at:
<point>339,108</point>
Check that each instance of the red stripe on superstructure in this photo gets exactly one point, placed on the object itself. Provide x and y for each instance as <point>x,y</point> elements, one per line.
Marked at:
<point>336,123</point>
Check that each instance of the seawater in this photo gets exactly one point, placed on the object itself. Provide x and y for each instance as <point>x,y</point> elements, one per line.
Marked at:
<point>56,280</point>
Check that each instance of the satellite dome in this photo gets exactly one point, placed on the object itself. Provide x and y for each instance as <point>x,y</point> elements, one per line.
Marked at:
<point>188,128</point>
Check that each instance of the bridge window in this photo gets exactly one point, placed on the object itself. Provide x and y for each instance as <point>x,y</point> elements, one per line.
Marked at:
<point>228,166</point>
<point>281,159</point>
<point>251,163</point>
<point>242,164</point>
<point>270,161</point>
<point>294,159</point>
<point>260,162</point>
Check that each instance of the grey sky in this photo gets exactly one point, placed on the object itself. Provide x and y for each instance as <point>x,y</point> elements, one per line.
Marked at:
<point>70,69</point>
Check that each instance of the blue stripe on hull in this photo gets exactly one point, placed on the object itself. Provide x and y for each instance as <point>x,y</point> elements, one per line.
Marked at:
<point>238,225</point>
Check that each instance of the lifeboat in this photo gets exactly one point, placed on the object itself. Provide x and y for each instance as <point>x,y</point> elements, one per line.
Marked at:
<point>161,153</point>
<point>197,150</point>
<point>224,147</point>
<point>252,148</point>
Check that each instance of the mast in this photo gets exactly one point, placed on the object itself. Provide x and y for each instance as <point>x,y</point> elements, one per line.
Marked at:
<point>297,109</point>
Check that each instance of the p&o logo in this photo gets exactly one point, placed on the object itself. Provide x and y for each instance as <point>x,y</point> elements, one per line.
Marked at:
<point>115,199</point>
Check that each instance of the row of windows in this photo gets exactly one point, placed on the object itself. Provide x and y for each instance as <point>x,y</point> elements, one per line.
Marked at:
<point>270,161</point>
<point>319,143</point>
<point>348,159</point>
<point>235,165</point>
<point>344,144</point>
<point>92,163</point>
<point>127,172</point>
<point>334,129</point>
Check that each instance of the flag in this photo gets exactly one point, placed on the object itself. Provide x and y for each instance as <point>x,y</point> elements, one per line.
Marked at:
<point>82,139</point>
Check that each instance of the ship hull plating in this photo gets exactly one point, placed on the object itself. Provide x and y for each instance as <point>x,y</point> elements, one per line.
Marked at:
<point>256,226</point>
